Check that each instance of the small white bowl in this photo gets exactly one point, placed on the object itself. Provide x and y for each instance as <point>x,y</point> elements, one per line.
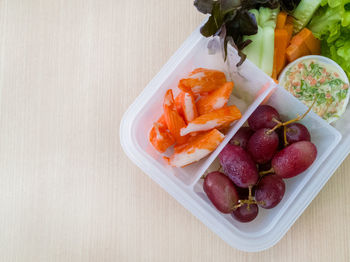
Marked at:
<point>325,60</point>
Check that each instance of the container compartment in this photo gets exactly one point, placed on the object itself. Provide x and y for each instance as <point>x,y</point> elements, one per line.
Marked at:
<point>248,94</point>
<point>323,135</point>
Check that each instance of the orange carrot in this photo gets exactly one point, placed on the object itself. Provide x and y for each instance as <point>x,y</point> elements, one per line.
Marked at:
<point>289,28</point>
<point>304,43</point>
<point>281,20</point>
<point>290,20</point>
<point>293,52</point>
<point>281,43</point>
<point>306,37</point>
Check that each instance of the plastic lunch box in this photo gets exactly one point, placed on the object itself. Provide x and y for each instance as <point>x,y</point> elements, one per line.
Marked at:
<point>185,184</point>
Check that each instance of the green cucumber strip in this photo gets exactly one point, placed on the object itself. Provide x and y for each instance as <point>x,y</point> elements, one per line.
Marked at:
<point>268,45</point>
<point>304,12</point>
<point>254,49</point>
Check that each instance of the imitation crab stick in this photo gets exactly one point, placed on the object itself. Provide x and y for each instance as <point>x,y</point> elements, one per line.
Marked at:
<point>172,118</point>
<point>160,137</point>
<point>197,148</point>
<point>202,80</point>
<point>178,103</point>
<point>161,121</point>
<point>215,100</point>
<point>215,119</point>
<point>188,106</point>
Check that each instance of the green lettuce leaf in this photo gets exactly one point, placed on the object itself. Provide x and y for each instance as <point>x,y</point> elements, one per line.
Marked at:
<point>328,19</point>
<point>339,49</point>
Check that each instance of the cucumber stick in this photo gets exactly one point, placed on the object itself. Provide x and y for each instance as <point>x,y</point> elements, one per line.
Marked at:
<point>304,12</point>
<point>268,46</point>
<point>261,50</point>
<point>254,49</point>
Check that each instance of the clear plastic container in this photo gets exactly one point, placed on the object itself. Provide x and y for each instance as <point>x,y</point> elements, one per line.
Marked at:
<point>185,184</point>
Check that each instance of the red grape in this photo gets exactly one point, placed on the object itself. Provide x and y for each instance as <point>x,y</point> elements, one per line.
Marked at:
<point>263,117</point>
<point>294,159</point>
<point>262,145</point>
<point>297,132</point>
<point>270,191</point>
<point>221,191</point>
<point>243,214</point>
<point>241,137</point>
<point>239,166</point>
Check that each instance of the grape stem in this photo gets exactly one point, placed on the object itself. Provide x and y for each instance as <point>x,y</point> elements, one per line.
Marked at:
<point>284,124</point>
<point>248,202</point>
<point>262,173</point>
<point>285,135</point>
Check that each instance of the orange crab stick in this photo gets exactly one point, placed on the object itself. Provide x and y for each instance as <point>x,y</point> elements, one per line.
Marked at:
<point>161,121</point>
<point>196,149</point>
<point>202,80</point>
<point>188,106</point>
<point>215,100</point>
<point>215,119</point>
<point>178,103</point>
<point>160,137</point>
<point>172,118</point>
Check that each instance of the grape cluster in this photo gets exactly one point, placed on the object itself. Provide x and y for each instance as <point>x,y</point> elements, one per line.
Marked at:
<point>256,161</point>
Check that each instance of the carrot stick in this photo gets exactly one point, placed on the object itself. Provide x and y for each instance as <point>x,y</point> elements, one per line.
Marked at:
<point>289,28</point>
<point>281,43</point>
<point>281,20</point>
<point>303,43</point>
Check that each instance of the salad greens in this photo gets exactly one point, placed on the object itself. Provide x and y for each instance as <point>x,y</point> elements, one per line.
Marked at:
<point>231,20</point>
<point>331,24</point>
<point>250,24</point>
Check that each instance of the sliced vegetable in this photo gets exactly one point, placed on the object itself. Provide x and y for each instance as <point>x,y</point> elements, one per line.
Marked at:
<point>261,50</point>
<point>289,28</point>
<point>281,43</point>
<point>254,50</point>
<point>266,63</point>
<point>304,43</point>
<point>293,52</point>
<point>304,12</point>
<point>281,20</point>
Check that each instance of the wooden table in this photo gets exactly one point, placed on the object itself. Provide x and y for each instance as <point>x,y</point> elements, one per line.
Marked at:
<point>68,71</point>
